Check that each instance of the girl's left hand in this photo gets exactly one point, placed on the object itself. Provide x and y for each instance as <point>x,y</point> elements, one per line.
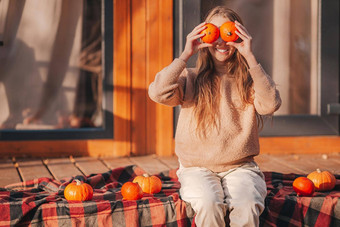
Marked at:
<point>243,47</point>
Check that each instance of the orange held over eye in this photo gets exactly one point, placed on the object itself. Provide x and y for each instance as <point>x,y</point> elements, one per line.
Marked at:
<point>131,191</point>
<point>323,180</point>
<point>227,31</point>
<point>78,191</point>
<point>149,184</point>
<point>303,186</point>
<point>211,33</point>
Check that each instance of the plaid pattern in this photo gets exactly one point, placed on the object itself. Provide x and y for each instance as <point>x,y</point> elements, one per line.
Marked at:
<point>40,202</point>
<point>285,208</point>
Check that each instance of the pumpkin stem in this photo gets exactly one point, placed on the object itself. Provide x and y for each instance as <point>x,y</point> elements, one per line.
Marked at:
<point>77,181</point>
<point>229,33</point>
<point>146,175</point>
<point>318,170</point>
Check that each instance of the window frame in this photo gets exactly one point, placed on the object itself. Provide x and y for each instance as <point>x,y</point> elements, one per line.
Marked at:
<point>324,123</point>
<point>104,132</point>
<point>285,125</point>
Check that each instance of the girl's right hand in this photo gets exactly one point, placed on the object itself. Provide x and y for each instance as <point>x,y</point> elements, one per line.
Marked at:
<point>193,44</point>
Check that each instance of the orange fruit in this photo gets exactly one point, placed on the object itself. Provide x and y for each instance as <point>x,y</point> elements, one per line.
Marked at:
<point>227,31</point>
<point>131,191</point>
<point>211,33</point>
<point>303,186</point>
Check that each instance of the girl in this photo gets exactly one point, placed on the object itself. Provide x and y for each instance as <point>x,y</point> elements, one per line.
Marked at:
<point>217,132</point>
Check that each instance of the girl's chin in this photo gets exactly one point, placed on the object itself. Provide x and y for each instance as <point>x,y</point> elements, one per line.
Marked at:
<point>222,57</point>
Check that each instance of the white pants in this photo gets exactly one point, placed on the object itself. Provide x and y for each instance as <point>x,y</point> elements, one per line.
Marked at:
<point>239,192</point>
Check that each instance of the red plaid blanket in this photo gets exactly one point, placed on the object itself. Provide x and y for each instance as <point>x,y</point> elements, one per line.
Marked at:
<point>285,208</point>
<point>40,202</point>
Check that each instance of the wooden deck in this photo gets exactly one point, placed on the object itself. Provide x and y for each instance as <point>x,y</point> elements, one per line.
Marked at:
<point>13,170</point>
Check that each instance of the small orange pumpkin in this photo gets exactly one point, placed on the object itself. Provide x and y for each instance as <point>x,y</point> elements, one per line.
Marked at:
<point>78,191</point>
<point>149,184</point>
<point>227,31</point>
<point>303,186</point>
<point>211,33</point>
<point>323,180</point>
<point>131,191</point>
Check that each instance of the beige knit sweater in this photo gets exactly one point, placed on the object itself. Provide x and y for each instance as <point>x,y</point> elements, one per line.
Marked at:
<point>236,141</point>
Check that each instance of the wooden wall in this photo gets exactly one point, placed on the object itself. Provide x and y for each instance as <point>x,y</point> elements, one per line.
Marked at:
<point>151,50</point>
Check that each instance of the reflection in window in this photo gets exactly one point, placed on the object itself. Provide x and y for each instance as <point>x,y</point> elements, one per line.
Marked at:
<point>286,44</point>
<point>50,64</point>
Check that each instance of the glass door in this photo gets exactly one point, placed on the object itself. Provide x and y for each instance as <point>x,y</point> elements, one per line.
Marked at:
<point>56,69</point>
<point>297,43</point>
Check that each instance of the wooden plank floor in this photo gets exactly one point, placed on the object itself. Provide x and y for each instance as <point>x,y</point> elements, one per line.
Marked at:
<point>15,170</point>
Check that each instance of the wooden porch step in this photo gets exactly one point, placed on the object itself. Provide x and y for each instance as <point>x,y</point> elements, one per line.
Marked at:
<point>15,170</point>
<point>8,172</point>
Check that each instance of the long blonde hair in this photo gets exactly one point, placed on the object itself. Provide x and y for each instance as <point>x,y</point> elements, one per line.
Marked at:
<point>207,90</point>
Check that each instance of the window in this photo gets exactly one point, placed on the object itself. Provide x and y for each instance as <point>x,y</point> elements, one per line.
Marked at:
<point>297,43</point>
<point>55,77</point>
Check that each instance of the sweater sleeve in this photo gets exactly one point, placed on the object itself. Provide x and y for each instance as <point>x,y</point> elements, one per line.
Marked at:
<point>266,98</point>
<point>168,86</point>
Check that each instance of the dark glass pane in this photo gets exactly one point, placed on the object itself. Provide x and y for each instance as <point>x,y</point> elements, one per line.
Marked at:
<point>51,64</point>
<point>285,42</point>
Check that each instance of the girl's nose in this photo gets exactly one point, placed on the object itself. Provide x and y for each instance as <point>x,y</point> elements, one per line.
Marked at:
<point>219,40</point>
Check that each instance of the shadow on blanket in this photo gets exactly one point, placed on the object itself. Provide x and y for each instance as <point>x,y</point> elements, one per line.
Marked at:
<point>41,202</point>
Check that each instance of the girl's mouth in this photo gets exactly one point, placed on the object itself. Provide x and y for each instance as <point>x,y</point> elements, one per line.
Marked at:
<point>222,50</point>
